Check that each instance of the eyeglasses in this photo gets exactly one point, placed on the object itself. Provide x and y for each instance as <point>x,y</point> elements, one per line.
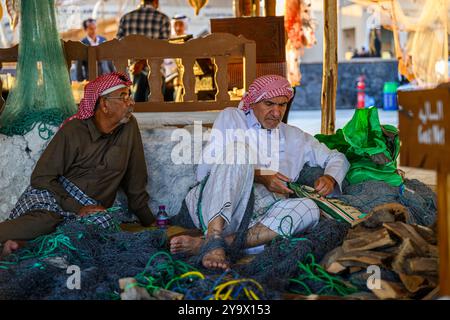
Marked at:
<point>125,98</point>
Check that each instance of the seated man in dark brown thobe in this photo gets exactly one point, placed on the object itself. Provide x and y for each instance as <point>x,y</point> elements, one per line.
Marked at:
<point>96,152</point>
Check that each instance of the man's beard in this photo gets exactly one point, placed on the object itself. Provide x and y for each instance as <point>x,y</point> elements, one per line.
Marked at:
<point>275,122</point>
<point>124,120</point>
<point>127,117</point>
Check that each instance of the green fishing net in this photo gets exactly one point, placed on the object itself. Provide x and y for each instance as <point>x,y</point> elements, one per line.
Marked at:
<point>42,93</point>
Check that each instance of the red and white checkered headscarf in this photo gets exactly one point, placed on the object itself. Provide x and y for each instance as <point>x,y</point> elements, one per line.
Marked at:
<point>264,88</point>
<point>103,85</point>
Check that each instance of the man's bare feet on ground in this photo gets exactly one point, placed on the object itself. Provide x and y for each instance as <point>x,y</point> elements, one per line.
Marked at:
<point>186,244</point>
<point>9,247</point>
<point>216,259</point>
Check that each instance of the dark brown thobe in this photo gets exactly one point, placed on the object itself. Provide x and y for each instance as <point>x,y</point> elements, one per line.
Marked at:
<point>98,164</point>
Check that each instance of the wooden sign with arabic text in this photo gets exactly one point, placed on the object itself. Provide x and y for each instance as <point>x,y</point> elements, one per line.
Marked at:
<point>424,125</point>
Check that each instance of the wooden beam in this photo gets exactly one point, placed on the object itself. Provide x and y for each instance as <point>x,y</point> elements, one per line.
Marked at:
<point>330,66</point>
<point>245,7</point>
<point>256,8</point>
<point>270,7</point>
<point>92,63</point>
<point>188,106</point>
<point>443,193</point>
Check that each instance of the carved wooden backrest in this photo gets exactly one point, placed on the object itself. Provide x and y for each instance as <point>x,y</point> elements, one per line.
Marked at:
<point>73,50</point>
<point>220,47</point>
<point>7,55</point>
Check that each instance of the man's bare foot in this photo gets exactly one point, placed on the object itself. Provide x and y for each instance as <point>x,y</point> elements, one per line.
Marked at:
<point>186,244</point>
<point>216,259</point>
<point>9,247</point>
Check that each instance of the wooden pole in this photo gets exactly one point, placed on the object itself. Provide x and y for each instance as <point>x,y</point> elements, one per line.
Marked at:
<point>246,7</point>
<point>330,66</point>
<point>237,6</point>
<point>270,7</point>
<point>443,190</point>
<point>256,8</point>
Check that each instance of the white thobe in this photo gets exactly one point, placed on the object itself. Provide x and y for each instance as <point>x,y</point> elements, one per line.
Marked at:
<point>228,186</point>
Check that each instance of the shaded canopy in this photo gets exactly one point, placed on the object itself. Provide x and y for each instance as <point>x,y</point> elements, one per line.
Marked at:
<point>423,55</point>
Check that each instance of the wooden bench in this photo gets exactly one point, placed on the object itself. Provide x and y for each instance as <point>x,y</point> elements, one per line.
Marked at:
<point>220,47</point>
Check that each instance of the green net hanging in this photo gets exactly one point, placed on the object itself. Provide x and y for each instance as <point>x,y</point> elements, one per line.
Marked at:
<point>42,93</point>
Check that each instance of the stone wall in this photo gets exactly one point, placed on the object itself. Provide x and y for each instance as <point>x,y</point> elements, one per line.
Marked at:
<point>18,156</point>
<point>168,182</point>
<point>376,71</point>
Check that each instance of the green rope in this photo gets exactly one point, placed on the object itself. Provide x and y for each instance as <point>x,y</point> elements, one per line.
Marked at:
<point>26,122</point>
<point>45,246</point>
<point>199,207</point>
<point>291,240</point>
<point>314,272</point>
<point>165,275</point>
<point>53,244</point>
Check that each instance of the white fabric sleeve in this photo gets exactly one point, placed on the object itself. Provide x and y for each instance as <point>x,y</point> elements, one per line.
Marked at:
<point>334,162</point>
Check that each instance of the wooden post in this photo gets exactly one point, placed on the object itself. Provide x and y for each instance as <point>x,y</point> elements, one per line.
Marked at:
<point>443,190</point>
<point>270,8</point>
<point>330,66</point>
<point>256,8</point>
<point>246,7</point>
<point>237,7</point>
<point>249,67</point>
<point>92,63</point>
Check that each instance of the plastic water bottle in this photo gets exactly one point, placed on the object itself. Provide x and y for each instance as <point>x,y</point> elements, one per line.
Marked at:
<point>162,219</point>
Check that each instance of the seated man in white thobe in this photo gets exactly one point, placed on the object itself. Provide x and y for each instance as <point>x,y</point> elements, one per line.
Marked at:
<point>217,205</point>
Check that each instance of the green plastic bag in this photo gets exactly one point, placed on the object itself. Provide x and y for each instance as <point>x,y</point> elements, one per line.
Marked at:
<point>372,149</point>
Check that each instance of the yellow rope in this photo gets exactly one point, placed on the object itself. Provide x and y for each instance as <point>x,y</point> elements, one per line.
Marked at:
<point>192,273</point>
<point>250,294</point>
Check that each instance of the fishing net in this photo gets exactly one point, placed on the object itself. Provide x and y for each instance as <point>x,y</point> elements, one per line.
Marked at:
<point>416,196</point>
<point>287,264</point>
<point>42,94</point>
<point>39,270</point>
<point>280,258</point>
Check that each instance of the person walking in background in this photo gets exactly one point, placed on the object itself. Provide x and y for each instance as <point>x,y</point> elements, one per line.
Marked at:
<point>377,43</point>
<point>92,39</point>
<point>147,21</point>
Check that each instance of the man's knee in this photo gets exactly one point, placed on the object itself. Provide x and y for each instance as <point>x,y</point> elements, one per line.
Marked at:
<point>45,217</point>
<point>309,215</point>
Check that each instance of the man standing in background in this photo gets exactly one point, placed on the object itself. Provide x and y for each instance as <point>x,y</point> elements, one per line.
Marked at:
<point>147,21</point>
<point>92,39</point>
